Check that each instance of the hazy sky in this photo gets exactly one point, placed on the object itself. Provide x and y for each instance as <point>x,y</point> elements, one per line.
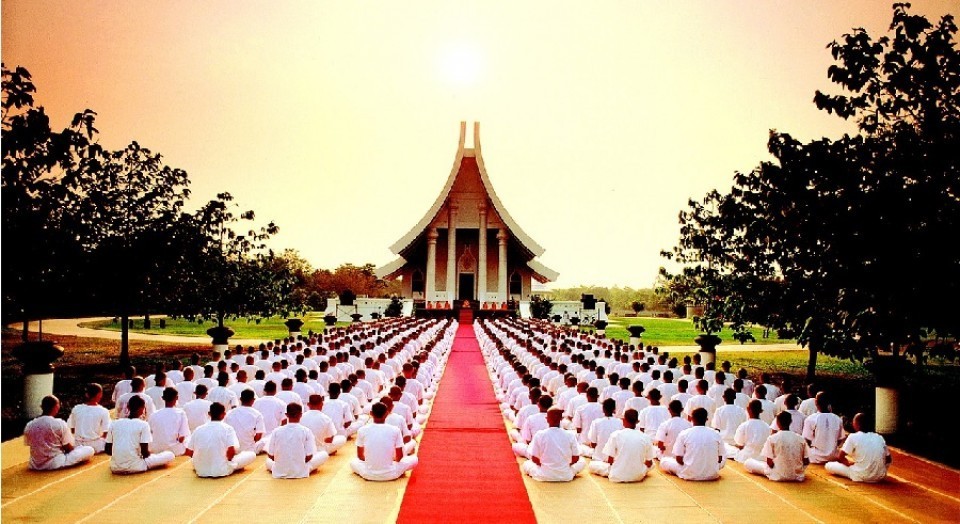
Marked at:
<point>339,120</point>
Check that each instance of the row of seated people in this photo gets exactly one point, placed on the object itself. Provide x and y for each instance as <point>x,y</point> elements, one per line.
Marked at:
<point>298,430</point>
<point>691,435</point>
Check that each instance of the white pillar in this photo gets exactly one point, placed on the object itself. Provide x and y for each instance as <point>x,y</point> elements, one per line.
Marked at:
<point>452,255</point>
<point>431,278</point>
<point>888,410</point>
<point>482,259</point>
<point>502,264</point>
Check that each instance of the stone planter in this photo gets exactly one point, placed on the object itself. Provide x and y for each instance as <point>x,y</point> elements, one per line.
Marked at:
<point>37,359</point>
<point>329,320</point>
<point>708,343</point>
<point>221,337</point>
<point>356,317</point>
<point>889,372</point>
<point>557,319</point>
<point>293,326</point>
<point>636,332</point>
<point>601,326</point>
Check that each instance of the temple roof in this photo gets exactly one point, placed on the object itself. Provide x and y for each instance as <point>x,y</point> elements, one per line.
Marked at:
<point>518,236</point>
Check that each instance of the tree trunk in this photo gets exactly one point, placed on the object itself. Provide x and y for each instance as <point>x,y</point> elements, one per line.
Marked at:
<point>146,321</point>
<point>811,364</point>
<point>26,329</point>
<point>124,340</point>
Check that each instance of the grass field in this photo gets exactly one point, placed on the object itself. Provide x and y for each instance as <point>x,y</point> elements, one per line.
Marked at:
<point>676,332</point>
<point>267,329</point>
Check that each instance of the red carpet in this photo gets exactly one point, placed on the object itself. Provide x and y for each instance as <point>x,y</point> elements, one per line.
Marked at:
<point>467,471</point>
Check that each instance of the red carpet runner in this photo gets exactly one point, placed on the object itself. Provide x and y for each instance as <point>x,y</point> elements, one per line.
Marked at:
<point>467,471</point>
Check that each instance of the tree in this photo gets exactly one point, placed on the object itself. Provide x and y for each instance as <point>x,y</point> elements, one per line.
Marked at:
<point>540,307</point>
<point>123,215</point>
<point>637,306</point>
<point>845,241</point>
<point>230,274</point>
<point>39,174</point>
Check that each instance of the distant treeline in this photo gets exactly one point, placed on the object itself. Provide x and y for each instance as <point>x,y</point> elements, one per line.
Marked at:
<point>620,299</point>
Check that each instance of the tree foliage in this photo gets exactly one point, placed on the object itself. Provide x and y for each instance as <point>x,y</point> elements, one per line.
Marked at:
<point>847,242</point>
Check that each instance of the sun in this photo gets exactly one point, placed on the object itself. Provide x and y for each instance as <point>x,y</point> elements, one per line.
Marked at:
<point>460,65</point>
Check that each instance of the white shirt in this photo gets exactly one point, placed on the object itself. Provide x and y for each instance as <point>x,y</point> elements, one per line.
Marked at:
<point>273,411</point>
<point>46,436</point>
<point>339,412</point>
<point>167,426</point>
<point>247,422</point>
<point>185,392</point>
<point>584,416</point>
<point>555,448</point>
<point>379,443</point>
<point>224,396</point>
<point>290,445</point>
<point>209,444</point>
<point>124,400</point>
<point>787,449</point>
<point>126,435</point>
<point>89,422</point>
<point>668,432</point>
<point>701,401</point>
<point>702,452</point>
<point>727,419</point>
<point>868,453</point>
<point>823,431</point>
<point>651,417</point>
<point>198,412</point>
<point>630,449</point>
<point>796,422</point>
<point>320,425</point>
<point>751,435</point>
<point>532,425</point>
<point>600,431</point>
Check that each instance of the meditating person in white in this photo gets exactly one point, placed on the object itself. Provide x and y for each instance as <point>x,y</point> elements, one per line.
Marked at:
<point>785,455</point>
<point>728,418</point>
<point>699,453</point>
<point>292,448</point>
<point>532,426</point>
<point>751,435</point>
<point>380,449</point>
<point>864,456</point>
<point>668,432</point>
<point>90,421</point>
<point>629,453</point>
<point>128,442</point>
<point>823,431</point>
<point>322,427</point>
<point>169,425</point>
<point>247,422</point>
<point>213,447</point>
<point>600,431</point>
<point>51,443</point>
<point>198,409</point>
<point>554,453</point>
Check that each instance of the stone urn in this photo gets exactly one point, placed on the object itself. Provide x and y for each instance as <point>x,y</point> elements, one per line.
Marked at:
<point>708,343</point>
<point>356,317</point>
<point>293,326</point>
<point>221,337</point>
<point>636,331</point>
<point>329,320</point>
<point>601,326</point>
<point>37,358</point>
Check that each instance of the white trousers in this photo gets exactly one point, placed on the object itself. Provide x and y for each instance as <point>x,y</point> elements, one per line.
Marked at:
<point>757,467</point>
<point>394,472</point>
<point>242,460</point>
<point>98,444</point>
<point>77,455</point>
<point>536,472</point>
<point>838,469</point>
<point>318,459</point>
<point>600,468</point>
<point>155,460</point>
<point>333,447</point>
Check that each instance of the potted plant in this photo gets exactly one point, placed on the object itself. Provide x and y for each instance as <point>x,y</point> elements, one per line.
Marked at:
<point>375,315</point>
<point>557,319</point>
<point>220,335</point>
<point>329,319</point>
<point>356,317</point>
<point>889,371</point>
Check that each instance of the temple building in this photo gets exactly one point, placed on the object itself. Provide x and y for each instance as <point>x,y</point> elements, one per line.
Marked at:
<point>467,250</point>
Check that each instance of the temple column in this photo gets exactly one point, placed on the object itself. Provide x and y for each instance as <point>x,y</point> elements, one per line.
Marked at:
<point>431,278</point>
<point>502,265</point>
<point>452,254</point>
<point>482,259</point>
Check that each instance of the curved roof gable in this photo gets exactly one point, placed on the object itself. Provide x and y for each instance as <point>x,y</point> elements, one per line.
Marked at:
<point>519,235</point>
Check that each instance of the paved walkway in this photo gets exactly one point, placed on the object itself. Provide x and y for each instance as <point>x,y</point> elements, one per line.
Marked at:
<point>71,327</point>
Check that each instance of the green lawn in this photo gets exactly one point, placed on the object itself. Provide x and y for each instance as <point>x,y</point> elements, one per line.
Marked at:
<point>266,329</point>
<point>676,332</point>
